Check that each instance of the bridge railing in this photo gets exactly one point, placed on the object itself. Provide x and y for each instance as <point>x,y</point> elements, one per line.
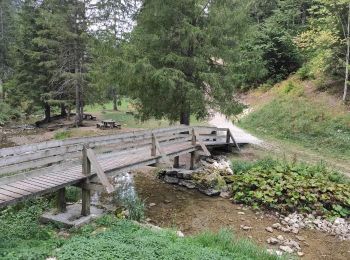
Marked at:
<point>34,159</point>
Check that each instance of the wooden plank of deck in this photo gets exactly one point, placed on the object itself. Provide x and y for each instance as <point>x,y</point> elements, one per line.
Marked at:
<point>15,190</point>
<point>5,198</point>
<point>10,194</point>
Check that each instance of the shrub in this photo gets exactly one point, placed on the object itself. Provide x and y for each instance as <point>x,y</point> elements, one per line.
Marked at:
<point>136,208</point>
<point>7,113</point>
<point>289,187</point>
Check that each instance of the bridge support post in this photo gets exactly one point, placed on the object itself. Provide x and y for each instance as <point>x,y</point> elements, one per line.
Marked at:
<point>85,186</point>
<point>61,200</point>
<point>193,161</point>
<point>177,162</point>
<point>228,139</point>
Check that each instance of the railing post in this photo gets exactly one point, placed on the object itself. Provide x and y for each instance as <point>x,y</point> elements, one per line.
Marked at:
<point>153,148</point>
<point>177,162</point>
<point>194,139</point>
<point>85,187</point>
<point>228,138</point>
<point>193,161</point>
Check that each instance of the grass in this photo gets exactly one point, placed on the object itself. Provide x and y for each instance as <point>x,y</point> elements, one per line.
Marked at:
<point>292,117</point>
<point>62,135</point>
<point>126,240</point>
<point>22,237</point>
<point>125,115</point>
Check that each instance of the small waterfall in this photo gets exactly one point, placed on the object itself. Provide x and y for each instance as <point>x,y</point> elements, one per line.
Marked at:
<point>125,189</point>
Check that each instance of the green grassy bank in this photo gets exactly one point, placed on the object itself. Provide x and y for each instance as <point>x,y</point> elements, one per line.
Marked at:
<point>294,117</point>
<point>22,237</point>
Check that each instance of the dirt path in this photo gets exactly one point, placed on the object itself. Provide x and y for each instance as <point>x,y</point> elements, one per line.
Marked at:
<point>241,136</point>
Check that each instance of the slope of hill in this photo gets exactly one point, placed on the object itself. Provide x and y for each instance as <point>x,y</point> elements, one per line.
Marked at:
<point>295,112</point>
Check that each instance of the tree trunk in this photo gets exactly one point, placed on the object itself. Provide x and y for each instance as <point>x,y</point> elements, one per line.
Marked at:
<point>347,59</point>
<point>63,110</point>
<point>115,102</point>
<point>185,118</point>
<point>47,108</point>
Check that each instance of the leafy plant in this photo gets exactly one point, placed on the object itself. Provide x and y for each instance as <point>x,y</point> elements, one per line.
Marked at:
<point>136,208</point>
<point>289,187</point>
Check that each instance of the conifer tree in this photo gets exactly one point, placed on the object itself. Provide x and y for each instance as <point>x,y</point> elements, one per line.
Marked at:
<point>182,54</point>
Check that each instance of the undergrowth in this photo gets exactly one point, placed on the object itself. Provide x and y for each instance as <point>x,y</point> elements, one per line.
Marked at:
<point>22,237</point>
<point>7,113</point>
<point>290,186</point>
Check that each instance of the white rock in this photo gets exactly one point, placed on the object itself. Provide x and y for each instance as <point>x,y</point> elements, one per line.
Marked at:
<point>152,204</point>
<point>277,226</point>
<point>286,249</point>
<point>180,234</point>
<point>279,253</point>
<point>280,237</point>
<point>246,228</point>
<point>269,229</point>
<point>300,254</point>
<point>272,241</point>
<point>270,251</point>
<point>241,213</point>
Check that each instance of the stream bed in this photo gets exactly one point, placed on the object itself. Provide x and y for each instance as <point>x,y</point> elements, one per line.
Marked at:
<point>191,212</point>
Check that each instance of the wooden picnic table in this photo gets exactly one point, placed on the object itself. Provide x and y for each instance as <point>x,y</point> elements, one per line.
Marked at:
<point>109,124</point>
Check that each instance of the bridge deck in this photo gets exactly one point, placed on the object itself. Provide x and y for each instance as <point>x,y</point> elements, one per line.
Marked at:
<point>47,183</point>
<point>42,168</point>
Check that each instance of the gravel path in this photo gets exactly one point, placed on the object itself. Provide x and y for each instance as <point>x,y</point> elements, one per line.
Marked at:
<point>241,136</point>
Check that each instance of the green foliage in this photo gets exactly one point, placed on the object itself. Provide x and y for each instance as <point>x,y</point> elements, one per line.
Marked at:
<point>292,117</point>
<point>7,113</point>
<point>125,240</point>
<point>62,135</point>
<point>73,194</point>
<point>181,53</point>
<point>135,207</point>
<point>290,187</point>
<point>21,236</point>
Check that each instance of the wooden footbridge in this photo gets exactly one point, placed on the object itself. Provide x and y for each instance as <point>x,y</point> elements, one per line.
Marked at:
<point>42,168</point>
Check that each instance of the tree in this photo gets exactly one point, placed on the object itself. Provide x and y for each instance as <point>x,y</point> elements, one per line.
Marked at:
<point>112,21</point>
<point>51,55</point>
<point>181,57</point>
<point>7,38</point>
<point>326,41</point>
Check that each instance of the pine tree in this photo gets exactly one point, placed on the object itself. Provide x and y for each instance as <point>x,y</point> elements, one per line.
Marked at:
<point>182,53</point>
